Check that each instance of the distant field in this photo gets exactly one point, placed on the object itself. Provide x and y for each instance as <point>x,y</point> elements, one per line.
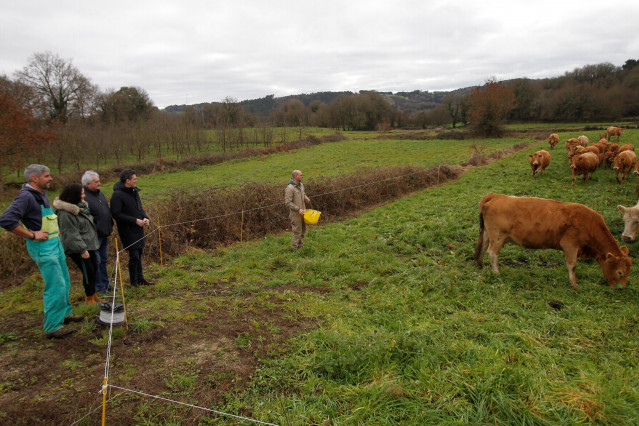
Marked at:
<point>328,159</point>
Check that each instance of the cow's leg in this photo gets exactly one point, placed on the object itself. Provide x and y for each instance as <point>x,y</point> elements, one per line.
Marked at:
<point>482,245</point>
<point>570,254</point>
<point>493,253</point>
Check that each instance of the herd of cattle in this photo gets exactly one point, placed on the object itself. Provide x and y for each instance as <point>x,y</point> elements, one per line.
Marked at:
<point>585,157</point>
<point>577,230</point>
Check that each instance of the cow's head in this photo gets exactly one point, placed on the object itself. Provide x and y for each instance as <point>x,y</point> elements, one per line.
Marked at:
<point>617,268</point>
<point>534,158</point>
<point>630,221</point>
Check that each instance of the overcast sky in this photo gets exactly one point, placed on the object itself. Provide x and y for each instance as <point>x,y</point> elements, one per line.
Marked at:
<point>187,52</point>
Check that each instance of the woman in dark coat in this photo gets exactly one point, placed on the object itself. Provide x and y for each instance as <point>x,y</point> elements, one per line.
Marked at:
<point>78,235</point>
<point>130,218</point>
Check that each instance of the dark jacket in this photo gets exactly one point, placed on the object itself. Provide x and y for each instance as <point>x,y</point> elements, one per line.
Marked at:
<point>25,208</point>
<point>77,230</point>
<point>126,207</point>
<point>100,211</point>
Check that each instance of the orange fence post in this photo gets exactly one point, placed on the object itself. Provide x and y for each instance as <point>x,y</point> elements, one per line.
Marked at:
<point>160,241</point>
<point>104,392</point>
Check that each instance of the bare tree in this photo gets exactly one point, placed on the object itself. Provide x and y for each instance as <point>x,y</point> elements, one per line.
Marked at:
<point>64,88</point>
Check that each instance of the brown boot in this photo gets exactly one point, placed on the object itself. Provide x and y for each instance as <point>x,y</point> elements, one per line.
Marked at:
<point>90,300</point>
<point>60,333</point>
<point>74,318</point>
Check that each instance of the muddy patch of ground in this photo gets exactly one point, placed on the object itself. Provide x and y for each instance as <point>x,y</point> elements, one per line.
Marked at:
<point>195,359</point>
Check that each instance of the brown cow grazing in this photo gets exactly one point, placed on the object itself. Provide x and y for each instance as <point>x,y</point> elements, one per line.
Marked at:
<point>609,158</point>
<point>592,148</point>
<point>582,164</point>
<point>539,223</point>
<point>575,149</point>
<point>578,150</point>
<point>625,161</point>
<point>603,135</point>
<point>570,142</point>
<point>630,221</point>
<point>583,140</point>
<point>615,131</point>
<point>539,161</point>
<point>611,153</point>
<point>602,145</point>
<point>553,140</point>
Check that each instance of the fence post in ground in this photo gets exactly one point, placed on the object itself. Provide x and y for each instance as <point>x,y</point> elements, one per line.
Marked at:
<point>160,241</point>
<point>242,226</point>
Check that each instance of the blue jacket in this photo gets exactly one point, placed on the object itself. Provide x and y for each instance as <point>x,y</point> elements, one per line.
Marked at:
<point>25,208</point>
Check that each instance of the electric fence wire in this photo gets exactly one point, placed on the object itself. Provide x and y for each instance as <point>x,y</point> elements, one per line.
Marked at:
<point>269,206</point>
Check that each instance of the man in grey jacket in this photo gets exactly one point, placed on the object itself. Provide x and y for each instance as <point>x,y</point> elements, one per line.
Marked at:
<point>101,213</point>
<point>295,199</point>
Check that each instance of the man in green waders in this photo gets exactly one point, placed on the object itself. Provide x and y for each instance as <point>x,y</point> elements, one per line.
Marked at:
<point>30,216</point>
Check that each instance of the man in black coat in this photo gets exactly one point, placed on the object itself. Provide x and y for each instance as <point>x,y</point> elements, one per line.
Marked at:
<point>130,217</point>
<point>99,207</point>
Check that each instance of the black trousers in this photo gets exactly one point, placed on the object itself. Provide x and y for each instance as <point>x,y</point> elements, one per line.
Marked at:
<point>88,267</point>
<point>135,265</point>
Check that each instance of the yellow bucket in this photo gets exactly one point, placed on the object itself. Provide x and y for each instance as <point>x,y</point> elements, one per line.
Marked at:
<point>311,216</point>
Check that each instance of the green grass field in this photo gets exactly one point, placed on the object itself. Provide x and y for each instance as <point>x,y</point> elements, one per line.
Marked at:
<point>325,160</point>
<point>413,333</point>
<point>380,319</point>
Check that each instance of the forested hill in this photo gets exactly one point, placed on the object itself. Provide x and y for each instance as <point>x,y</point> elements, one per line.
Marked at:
<point>403,101</point>
<point>593,92</point>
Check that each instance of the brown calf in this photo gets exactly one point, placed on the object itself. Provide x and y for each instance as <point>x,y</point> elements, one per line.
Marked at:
<point>539,161</point>
<point>582,164</point>
<point>624,162</point>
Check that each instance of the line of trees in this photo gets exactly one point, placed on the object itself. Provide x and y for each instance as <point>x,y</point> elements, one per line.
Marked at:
<point>600,92</point>
<point>51,113</point>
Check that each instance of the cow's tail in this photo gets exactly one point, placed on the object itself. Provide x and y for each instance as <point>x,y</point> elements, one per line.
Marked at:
<point>480,243</point>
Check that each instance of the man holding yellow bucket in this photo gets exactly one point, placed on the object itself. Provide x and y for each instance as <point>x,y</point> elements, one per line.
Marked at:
<point>295,199</point>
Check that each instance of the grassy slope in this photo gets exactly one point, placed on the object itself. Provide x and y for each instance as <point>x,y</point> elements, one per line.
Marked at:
<point>410,330</point>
